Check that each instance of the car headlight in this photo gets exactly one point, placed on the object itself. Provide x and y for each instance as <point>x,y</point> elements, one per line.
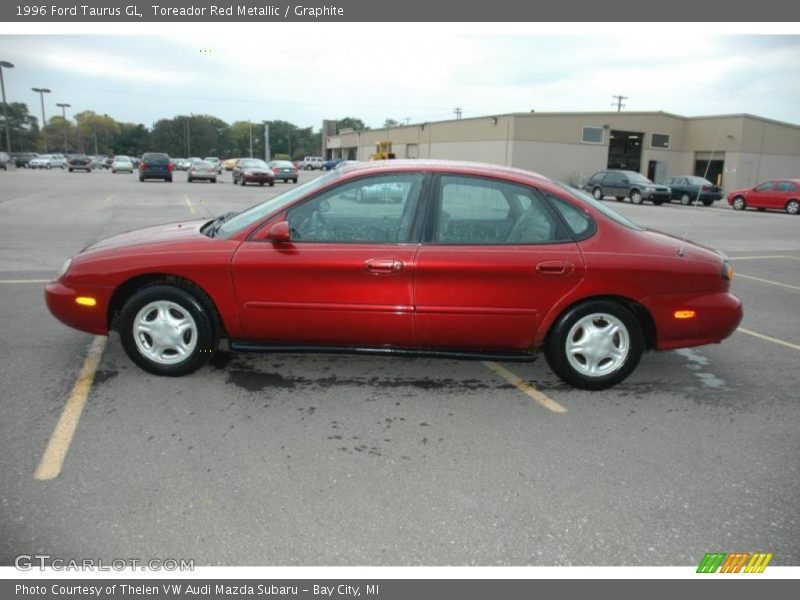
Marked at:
<point>648,188</point>
<point>64,268</point>
<point>248,173</point>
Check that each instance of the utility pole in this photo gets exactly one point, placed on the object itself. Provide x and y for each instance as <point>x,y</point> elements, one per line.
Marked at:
<point>42,92</point>
<point>63,106</point>
<point>619,103</point>
<point>251,138</point>
<point>266,141</point>
<point>458,112</point>
<point>6,126</point>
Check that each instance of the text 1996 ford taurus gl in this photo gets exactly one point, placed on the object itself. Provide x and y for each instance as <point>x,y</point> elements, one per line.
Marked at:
<point>406,257</point>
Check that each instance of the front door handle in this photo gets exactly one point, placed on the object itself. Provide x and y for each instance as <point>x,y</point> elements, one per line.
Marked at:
<point>555,267</point>
<point>383,266</point>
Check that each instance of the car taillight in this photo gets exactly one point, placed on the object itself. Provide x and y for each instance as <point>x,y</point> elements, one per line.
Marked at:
<point>142,166</point>
<point>705,188</point>
<point>170,166</point>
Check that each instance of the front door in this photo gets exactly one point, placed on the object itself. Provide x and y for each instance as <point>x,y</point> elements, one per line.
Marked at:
<point>345,278</point>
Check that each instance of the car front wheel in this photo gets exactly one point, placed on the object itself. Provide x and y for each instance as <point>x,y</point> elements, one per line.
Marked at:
<point>636,197</point>
<point>167,330</point>
<point>739,203</point>
<point>793,207</point>
<point>597,193</point>
<point>595,345</point>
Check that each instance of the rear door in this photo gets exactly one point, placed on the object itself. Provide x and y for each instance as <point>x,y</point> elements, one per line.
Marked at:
<point>615,184</point>
<point>346,278</point>
<point>784,191</point>
<point>495,260</point>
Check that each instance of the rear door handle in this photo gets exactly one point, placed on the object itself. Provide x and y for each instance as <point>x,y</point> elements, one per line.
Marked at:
<point>383,266</point>
<point>555,267</point>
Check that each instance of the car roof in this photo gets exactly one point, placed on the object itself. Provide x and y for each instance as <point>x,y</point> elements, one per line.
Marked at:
<point>440,166</point>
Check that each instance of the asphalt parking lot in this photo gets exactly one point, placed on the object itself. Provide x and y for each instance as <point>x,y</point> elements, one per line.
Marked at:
<point>351,460</point>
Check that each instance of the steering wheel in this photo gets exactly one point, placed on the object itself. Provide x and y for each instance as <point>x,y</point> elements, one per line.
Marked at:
<point>310,226</point>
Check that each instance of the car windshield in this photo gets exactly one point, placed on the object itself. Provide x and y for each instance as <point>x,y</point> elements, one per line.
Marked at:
<point>638,178</point>
<point>597,205</point>
<point>252,163</point>
<point>259,211</point>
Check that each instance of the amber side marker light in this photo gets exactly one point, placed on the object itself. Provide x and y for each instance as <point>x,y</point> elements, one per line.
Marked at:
<point>685,314</point>
<point>85,301</point>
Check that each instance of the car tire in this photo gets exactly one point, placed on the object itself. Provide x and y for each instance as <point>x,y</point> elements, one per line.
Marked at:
<point>141,178</point>
<point>214,180</point>
<point>189,180</point>
<point>793,207</point>
<point>49,166</point>
<point>636,197</point>
<point>168,330</point>
<point>597,193</point>
<point>707,202</point>
<point>619,198</point>
<point>658,202</point>
<point>614,337</point>
<point>739,203</point>
<point>272,183</point>
<point>242,182</point>
<point>686,199</point>
<point>294,180</point>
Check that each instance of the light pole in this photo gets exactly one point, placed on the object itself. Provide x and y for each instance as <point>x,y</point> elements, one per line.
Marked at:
<point>251,138</point>
<point>64,108</point>
<point>4,64</point>
<point>42,92</point>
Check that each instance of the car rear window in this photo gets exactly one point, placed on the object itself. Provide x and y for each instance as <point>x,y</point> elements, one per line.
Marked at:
<point>155,158</point>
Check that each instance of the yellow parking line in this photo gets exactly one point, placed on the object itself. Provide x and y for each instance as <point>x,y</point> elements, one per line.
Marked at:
<point>769,281</point>
<point>768,338</point>
<point>189,204</point>
<point>58,446</point>
<point>524,387</point>
<point>25,280</point>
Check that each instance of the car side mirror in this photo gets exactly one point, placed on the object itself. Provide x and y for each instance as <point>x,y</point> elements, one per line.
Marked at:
<point>279,233</point>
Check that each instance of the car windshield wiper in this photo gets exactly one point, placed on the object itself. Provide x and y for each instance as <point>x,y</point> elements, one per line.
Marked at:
<point>213,226</point>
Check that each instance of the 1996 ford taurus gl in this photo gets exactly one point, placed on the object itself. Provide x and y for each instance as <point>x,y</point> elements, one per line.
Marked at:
<point>406,257</point>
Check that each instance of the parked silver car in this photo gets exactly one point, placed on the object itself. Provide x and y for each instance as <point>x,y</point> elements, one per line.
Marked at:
<point>626,184</point>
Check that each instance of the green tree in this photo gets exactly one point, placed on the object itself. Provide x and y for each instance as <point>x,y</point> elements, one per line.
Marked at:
<point>23,129</point>
<point>350,123</point>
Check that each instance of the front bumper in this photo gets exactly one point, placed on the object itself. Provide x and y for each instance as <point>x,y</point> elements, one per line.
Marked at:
<point>258,178</point>
<point>60,298</point>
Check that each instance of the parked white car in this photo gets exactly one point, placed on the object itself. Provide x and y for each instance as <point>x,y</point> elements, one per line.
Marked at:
<point>48,161</point>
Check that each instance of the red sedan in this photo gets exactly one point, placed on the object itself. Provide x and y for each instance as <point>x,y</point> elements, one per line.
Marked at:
<point>252,170</point>
<point>471,261</point>
<point>780,194</point>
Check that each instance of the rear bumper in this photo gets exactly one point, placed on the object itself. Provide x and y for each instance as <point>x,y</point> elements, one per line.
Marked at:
<point>716,317</point>
<point>60,299</point>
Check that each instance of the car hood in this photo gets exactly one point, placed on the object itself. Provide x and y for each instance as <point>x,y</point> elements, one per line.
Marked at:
<point>256,170</point>
<point>172,232</point>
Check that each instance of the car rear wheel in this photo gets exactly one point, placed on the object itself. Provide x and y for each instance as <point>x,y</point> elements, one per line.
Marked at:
<point>636,197</point>
<point>595,345</point>
<point>167,330</point>
<point>658,202</point>
<point>272,183</point>
<point>294,180</point>
<point>707,202</point>
<point>597,193</point>
<point>739,203</point>
<point>793,207</point>
<point>686,199</point>
<point>214,180</point>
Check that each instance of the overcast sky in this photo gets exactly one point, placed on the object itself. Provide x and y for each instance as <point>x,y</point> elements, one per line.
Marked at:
<point>378,71</point>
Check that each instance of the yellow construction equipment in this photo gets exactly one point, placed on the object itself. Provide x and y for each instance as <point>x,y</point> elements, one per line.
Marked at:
<point>383,151</point>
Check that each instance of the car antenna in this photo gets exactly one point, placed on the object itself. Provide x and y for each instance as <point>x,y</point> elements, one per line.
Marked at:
<point>694,204</point>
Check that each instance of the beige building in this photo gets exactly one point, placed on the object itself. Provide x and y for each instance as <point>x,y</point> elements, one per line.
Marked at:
<point>738,150</point>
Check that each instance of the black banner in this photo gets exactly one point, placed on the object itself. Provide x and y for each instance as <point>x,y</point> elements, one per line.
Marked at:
<point>394,589</point>
<point>133,11</point>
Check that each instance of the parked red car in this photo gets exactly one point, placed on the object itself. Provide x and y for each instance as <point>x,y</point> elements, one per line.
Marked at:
<point>472,261</point>
<point>780,194</point>
<point>252,170</point>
